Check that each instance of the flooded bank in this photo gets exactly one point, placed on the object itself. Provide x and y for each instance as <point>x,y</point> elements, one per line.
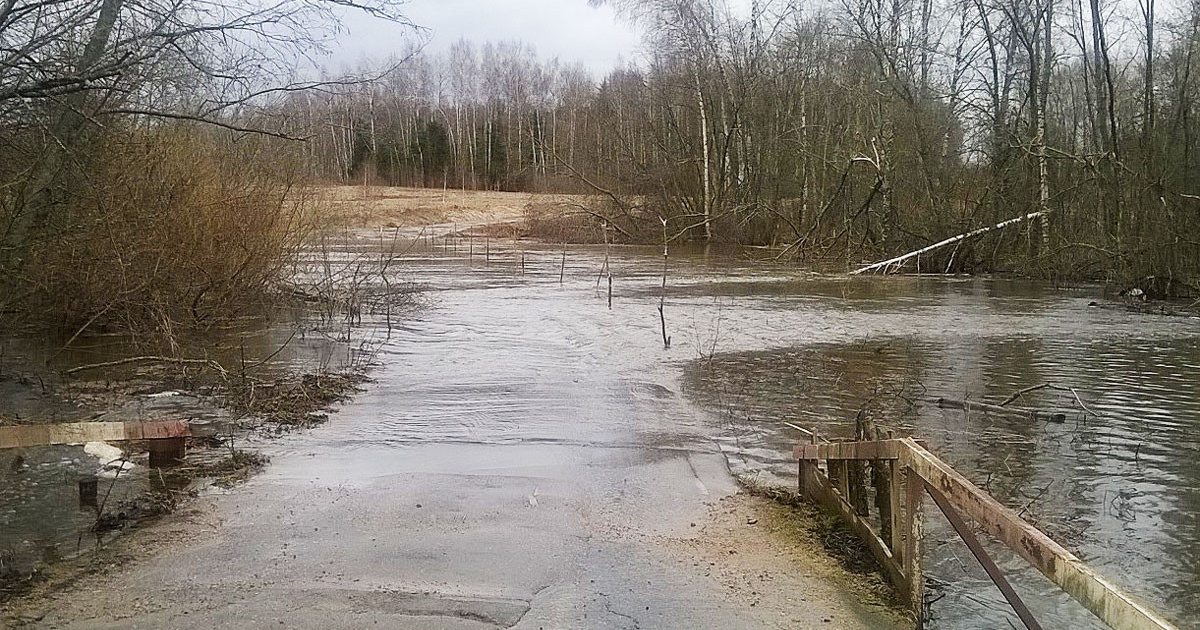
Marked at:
<point>45,516</point>
<point>535,388</point>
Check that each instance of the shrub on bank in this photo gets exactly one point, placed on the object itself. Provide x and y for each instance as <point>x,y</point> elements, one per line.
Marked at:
<point>157,231</point>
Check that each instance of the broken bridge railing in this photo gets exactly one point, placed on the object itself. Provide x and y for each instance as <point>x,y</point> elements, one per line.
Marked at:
<point>903,473</point>
<point>166,439</point>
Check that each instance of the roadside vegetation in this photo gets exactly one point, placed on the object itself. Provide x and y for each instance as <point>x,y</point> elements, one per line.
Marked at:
<point>851,131</point>
<point>144,189</point>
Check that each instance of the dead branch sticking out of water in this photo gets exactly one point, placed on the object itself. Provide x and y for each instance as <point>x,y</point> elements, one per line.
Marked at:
<point>605,269</point>
<point>1049,415</point>
<point>662,297</point>
<point>209,363</point>
<point>1060,388</point>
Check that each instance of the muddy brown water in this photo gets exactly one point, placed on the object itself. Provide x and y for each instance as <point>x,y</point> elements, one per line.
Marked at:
<point>755,346</point>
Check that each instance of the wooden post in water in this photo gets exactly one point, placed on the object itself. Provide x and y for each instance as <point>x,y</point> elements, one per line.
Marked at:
<point>856,469</point>
<point>808,476</point>
<point>88,490</point>
<point>838,474</point>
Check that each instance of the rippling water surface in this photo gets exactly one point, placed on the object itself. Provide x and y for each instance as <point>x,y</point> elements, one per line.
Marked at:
<point>756,346</point>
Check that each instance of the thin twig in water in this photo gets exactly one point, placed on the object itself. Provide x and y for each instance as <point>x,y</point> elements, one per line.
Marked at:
<point>151,359</point>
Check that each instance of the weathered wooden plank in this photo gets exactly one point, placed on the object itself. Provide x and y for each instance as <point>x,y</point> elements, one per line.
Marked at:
<point>166,429</point>
<point>1103,598</point>
<point>913,550</point>
<point>82,432</point>
<point>16,437</point>
<point>899,522</point>
<point>880,449</point>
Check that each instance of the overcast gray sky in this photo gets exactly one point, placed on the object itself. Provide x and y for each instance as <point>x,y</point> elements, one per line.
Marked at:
<point>568,29</point>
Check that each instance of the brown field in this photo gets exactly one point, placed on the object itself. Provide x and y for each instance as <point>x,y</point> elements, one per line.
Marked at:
<point>382,206</point>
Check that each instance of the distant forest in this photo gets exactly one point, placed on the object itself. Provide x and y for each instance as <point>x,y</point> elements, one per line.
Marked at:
<point>856,129</point>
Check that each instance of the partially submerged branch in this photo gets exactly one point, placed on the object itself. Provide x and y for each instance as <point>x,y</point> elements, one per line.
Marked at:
<point>209,363</point>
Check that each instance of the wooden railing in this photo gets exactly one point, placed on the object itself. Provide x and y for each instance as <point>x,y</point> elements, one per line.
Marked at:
<point>902,473</point>
<point>166,439</point>
<point>28,435</point>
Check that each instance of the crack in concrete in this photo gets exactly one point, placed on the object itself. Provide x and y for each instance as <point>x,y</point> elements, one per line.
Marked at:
<point>609,609</point>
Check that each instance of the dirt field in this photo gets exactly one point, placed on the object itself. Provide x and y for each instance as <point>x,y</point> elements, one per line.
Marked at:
<point>380,206</point>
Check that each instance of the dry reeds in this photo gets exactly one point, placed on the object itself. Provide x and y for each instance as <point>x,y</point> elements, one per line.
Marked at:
<point>161,231</point>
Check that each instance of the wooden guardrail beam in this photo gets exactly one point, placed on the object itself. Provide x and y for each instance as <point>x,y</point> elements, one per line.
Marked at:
<point>913,470</point>
<point>1103,598</point>
<point>82,432</point>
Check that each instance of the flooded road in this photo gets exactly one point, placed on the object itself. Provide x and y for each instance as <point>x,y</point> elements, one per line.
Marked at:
<point>526,453</point>
<point>523,458</point>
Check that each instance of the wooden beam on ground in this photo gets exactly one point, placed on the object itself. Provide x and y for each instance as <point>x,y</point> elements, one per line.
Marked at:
<point>1103,598</point>
<point>82,432</point>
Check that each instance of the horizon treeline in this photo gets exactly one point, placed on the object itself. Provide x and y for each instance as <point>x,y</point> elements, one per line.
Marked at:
<point>857,130</point>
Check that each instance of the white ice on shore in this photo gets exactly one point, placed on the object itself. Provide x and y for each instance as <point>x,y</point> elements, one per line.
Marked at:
<point>112,459</point>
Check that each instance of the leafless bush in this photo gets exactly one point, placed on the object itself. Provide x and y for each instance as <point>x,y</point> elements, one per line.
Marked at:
<point>170,229</point>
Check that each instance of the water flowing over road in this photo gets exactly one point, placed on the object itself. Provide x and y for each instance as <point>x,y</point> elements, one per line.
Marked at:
<point>528,457</point>
<point>523,458</point>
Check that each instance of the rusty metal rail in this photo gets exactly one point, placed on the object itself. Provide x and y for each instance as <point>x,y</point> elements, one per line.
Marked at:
<point>903,473</point>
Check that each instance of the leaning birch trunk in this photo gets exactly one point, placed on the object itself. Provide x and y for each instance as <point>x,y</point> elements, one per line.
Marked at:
<point>950,241</point>
<point>1043,172</point>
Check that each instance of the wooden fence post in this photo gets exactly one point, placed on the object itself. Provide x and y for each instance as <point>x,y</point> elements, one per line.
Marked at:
<point>881,479</point>
<point>808,472</point>
<point>913,516</point>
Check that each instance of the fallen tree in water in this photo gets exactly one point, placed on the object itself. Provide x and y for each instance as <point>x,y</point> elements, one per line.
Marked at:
<point>900,260</point>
